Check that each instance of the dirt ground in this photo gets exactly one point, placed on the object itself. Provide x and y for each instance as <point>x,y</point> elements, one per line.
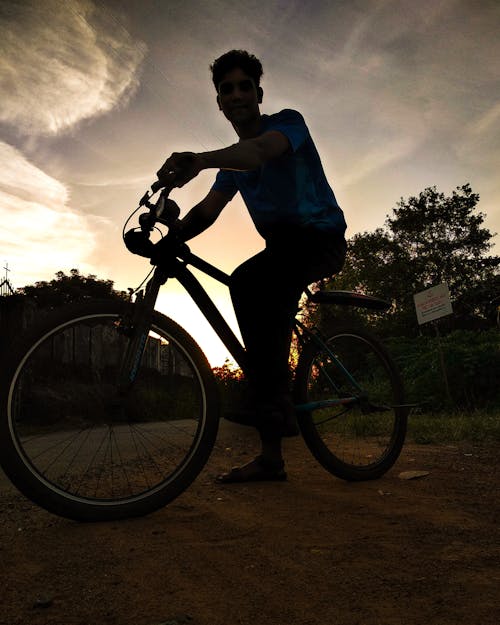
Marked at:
<point>313,550</point>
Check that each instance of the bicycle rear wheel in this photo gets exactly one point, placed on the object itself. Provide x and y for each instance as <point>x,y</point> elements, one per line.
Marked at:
<point>76,444</point>
<point>360,437</point>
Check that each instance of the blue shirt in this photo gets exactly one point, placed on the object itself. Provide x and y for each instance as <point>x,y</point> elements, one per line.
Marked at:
<point>289,190</point>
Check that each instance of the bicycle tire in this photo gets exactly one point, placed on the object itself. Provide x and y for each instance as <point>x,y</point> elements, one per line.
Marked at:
<point>70,444</point>
<point>355,441</point>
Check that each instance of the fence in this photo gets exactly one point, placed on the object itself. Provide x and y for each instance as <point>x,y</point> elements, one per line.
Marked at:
<point>92,344</point>
<point>17,313</point>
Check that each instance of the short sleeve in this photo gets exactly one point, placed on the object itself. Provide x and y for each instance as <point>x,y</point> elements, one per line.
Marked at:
<point>224,182</point>
<point>292,125</point>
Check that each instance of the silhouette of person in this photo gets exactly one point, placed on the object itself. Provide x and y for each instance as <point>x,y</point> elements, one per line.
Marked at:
<point>277,170</point>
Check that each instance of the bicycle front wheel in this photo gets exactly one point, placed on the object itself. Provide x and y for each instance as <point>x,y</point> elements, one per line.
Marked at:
<point>353,417</point>
<point>74,442</point>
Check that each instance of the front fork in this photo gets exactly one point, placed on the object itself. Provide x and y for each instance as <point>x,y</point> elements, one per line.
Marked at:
<point>136,326</point>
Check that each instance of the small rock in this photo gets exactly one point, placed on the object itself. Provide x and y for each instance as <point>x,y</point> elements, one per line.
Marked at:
<point>412,475</point>
<point>180,619</point>
<point>43,602</point>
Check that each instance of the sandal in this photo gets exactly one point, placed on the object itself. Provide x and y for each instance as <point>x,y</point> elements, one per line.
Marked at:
<point>257,470</point>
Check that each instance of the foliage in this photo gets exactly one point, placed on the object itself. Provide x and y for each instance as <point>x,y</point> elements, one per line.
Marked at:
<point>471,362</point>
<point>230,383</point>
<point>428,239</point>
<point>456,425</point>
<point>66,289</point>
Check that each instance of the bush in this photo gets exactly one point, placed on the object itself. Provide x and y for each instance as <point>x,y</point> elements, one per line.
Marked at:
<point>231,384</point>
<point>472,365</point>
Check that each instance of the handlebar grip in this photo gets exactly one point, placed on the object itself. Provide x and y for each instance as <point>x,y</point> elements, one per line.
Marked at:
<point>167,182</point>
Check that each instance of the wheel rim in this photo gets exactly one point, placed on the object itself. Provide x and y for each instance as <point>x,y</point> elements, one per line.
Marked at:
<point>79,438</point>
<point>359,435</point>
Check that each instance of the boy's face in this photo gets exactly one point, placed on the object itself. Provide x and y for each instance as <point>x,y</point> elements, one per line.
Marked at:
<point>239,98</point>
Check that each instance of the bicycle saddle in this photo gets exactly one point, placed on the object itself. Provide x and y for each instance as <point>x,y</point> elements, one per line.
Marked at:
<point>348,298</point>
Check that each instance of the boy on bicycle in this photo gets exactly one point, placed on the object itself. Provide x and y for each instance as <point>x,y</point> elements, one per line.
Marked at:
<point>277,170</point>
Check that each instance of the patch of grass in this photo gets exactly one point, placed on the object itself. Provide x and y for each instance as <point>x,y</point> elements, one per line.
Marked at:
<point>427,428</point>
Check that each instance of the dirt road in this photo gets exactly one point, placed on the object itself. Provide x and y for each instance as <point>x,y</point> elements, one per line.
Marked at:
<point>312,551</point>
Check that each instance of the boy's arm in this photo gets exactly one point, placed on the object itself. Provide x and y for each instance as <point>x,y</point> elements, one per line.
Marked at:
<point>246,155</point>
<point>201,216</point>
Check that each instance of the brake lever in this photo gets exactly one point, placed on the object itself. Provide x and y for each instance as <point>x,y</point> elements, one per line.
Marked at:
<point>144,201</point>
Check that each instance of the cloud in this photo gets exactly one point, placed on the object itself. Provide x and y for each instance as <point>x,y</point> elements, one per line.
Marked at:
<point>478,143</point>
<point>62,63</point>
<point>486,122</point>
<point>40,232</point>
<point>377,158</point>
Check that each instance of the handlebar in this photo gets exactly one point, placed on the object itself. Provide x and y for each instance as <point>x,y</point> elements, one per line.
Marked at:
<point>164,211</point>
<point>170,247</point>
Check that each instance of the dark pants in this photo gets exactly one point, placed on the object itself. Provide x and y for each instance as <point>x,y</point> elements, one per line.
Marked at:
<point>266,290</point>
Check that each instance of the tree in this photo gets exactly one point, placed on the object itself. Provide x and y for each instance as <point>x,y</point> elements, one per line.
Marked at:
<point>444,239</point>
<point>428,239</point>
<point>66,289</point>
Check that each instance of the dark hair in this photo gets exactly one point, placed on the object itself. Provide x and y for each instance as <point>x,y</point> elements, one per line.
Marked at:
<point>236,59</point>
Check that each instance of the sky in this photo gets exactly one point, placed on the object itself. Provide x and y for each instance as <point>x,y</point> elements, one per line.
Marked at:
<point>95,94</point>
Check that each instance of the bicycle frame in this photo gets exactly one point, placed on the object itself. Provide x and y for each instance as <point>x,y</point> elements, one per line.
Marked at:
<point>177,268</point>
<point>314,336</point>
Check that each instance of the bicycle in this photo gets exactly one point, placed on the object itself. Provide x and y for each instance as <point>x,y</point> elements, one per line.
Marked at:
<point>110,409</point>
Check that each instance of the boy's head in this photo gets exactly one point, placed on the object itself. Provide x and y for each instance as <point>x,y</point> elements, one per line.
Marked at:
<point>241,59</point>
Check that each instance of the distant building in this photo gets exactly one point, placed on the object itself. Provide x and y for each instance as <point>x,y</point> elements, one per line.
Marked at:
<point>6,288</point>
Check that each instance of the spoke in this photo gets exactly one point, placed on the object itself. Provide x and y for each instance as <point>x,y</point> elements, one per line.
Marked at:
<point>138,455</point>
<point>333,417</point>
<point>122,464</point>
<point>105,438</point>
<point>72,461</point>
<point>61,453</point>
<point>160,472</point>
<point>110,437</point>
<point>70,438</point>
<point>87,471</point>
<point>155,437</point>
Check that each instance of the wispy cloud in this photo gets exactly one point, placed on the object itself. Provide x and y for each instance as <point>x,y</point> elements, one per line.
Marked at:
<point>479,141</point>
<point>486,122</point>
<point>62,63</point>
<point>40,231</point>
<point>378,158</point>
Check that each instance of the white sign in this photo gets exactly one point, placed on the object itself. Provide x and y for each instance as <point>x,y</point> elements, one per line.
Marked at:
<point>433,303</point>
